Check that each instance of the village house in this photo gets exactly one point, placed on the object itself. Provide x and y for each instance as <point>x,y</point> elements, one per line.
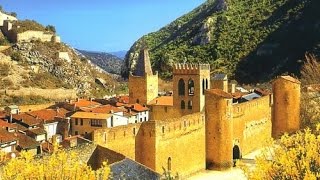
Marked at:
<point>8,141</point>
<point>50,119</point>
<point>141,113</point>
<point>75,105</point>
<point>12,109</point>
<point>26,143</point>
<point>84,123</point>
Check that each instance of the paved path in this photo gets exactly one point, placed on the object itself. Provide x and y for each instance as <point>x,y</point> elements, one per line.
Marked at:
<point>232,174</point>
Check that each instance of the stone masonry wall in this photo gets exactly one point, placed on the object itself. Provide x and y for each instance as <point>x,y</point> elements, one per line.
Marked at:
<point>121,139</point>
<point>252,124</point>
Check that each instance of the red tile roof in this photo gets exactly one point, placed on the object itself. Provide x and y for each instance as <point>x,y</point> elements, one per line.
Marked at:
<point>262,92</point>
<point>102,109</point>
<point>238,95</point>
<point>26,118</point>
<point>49,114</point>
<point>37,131</point>
<point>162,101</point>
<point>137,107</point>
<point>219,92</point>
<point>26,142</point>
<point>123,99</point>
<point>3,114</point>
<point>4,124</point>
<point>85,103</point>
<point>6,136</point>
<point>119,104</point>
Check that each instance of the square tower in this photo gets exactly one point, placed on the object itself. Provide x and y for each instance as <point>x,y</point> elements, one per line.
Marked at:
<point>143,84</point>
<point>189,83</point>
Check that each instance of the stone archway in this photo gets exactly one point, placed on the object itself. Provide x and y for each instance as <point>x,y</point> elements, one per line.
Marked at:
<point>236,154</point>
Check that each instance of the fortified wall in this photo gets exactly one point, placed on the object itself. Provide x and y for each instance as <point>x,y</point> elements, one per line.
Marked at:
<point>252,123</point>
<point>175,144</point>
<point>121,139</point>
<point>27,36</point>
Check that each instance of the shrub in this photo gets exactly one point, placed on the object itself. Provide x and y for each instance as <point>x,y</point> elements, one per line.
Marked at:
<point>16,56</point>
<point>51,28</point>
<point>4,69</point>
<point>59,165</point>
<point>293,157</point>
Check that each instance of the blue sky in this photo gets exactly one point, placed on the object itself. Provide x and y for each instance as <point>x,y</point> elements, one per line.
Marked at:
<point>101,25</point>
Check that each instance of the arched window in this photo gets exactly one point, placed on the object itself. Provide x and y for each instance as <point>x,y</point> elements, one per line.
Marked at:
<point>191,87</point>
<point>138,101</point>
<point>169,164</point>
<point>181,87</point>
<point>189,104</point>
<point>183,104</point>
<point>203,86</point>
<point>206,83</point>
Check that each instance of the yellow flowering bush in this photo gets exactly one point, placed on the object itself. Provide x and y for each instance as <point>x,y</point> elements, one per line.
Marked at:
<point>59,165</point>
<point>291,157</point>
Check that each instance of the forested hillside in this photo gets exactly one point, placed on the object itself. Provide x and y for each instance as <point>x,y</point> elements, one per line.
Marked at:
<point>251,40</point>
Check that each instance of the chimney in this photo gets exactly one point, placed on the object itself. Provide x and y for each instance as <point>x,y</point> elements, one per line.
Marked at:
<point>57,111</point>
<point>77,99</point>
<point>233,88</point>
<point>10,120</point>
<point>111,111</point>
<point>156,101</point>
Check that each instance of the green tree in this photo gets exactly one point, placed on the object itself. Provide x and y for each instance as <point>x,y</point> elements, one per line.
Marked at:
<point>51,28</point>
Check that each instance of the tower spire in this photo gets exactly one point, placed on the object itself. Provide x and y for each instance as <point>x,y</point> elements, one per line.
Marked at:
<point>143,66</point>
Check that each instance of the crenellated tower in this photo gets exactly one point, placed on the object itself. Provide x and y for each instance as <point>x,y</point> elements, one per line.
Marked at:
<point>143,84</point>
<point>219,129</point>
<point>286,105</point>
<point>189,83</point>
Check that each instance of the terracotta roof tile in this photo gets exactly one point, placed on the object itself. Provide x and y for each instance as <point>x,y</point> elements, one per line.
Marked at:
<point>4,124</point>
<point>123,99</point>
<point>3,114</point>
<point>85,103</point>
<point>102,109</point>
<point>26,142</point>
<point>162,101</point>
<point>37,131</point>
<point>219,92</point>
<point>238,95</point>
<point>137,107</point>
<point>91,115</point>
<point>27,119</point>
<point>119,104</point>
<point>6,136</point>
<point>20,127</point>
<point>49,114</point>
<point>261,92</point>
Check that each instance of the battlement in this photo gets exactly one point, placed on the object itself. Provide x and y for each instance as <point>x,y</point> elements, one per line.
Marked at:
<point>190,68</point>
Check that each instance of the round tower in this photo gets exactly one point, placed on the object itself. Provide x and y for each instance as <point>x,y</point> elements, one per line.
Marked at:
<point>219,129</point>
<point>286,105</point>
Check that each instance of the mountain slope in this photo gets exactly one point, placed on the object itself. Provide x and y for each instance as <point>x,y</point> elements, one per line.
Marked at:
<point>250,40</point>
<point>119,54</point>
<point>108,62</point>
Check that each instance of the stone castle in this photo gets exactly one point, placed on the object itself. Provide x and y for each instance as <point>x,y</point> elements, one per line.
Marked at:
<point>202,125</point>
<point>7,23</point>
